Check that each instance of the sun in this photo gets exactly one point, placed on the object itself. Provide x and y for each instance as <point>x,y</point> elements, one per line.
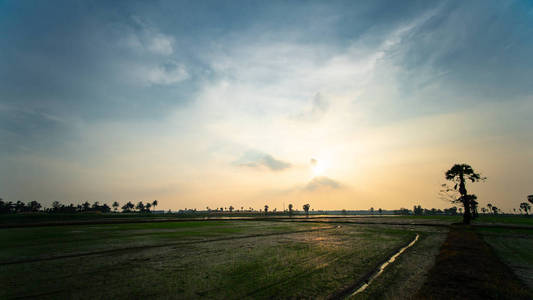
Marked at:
<point>318,167</point>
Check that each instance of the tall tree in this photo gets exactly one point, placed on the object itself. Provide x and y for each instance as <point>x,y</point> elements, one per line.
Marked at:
<point>266,209</point>
<point>155,203</point>
<point>459,174</point>
<point>290,209</point>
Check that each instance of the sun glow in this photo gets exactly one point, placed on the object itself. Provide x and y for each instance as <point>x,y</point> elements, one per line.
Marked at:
<point>318,167</point>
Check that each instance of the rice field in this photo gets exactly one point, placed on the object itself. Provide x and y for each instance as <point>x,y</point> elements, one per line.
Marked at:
<point>197,259</point>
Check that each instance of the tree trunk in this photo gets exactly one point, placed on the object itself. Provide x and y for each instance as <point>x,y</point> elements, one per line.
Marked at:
<point>467,216</point>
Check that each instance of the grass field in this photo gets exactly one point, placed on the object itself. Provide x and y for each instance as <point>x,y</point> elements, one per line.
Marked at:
<point>515,248</point>
<point>277,258</point>
<point>213,259</point>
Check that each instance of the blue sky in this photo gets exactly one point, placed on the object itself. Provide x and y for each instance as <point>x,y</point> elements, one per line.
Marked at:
<point>203,103</point>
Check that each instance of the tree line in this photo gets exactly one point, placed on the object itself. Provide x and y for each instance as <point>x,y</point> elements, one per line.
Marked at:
<point>7,207</point>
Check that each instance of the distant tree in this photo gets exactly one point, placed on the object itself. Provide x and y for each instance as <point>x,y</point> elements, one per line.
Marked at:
<point>140,206</point>
<point>526,207</point>
<point>56,206</point>
<point>105,208</point>
<point>380,211</point>
<point>306,209</point>
<point>86,206</point>
<point>458,174</point>
<point>127,207</point>
<point>266,209</point>
<point>34,206</point>
<point>115,206</point>
<point>155,203</point>
<point>148,206</point>
<point>230,208</point>
<point>495,210</point>
<point>290,209</point>
<point>417,210</point>
<point>371,210</point>
<point>484,210</point>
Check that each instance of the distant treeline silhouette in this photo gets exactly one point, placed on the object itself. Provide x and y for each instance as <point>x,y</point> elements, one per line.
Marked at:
<point>34,206</point>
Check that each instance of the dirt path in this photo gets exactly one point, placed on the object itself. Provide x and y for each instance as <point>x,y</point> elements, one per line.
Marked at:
<point>468,268</point>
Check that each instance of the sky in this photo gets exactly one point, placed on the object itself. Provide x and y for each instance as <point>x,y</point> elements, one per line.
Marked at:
<point>339,104</point>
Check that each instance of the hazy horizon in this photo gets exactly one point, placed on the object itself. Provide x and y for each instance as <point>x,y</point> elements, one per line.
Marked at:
<point>343,105</point>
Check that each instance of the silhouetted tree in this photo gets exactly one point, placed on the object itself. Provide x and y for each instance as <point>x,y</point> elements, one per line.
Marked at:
<point>526,207</point>
<point>371,210</point>
<point>290,210</point>
<point>459,173</point>
<point>266,209</point>
<point>155,203</point>
<point>140,206</point>
<point>86,206</point>
<point>380,211</point>
<point>306,209</point>
<point>495,210</point>
<point>417,210</point>
<point>34,206</point>
<point>148,206</point>
<point>230,208</point>
<point>127,207</point>
<point>115,206</point>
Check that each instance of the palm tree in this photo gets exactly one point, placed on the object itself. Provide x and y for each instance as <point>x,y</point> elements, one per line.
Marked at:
<point>140,206</point>
<point>526,207</point>
<point>147,206</point>
<point>290,209</point>
<point>459,173</point>
<point>155,203</point>
<point>115,206</point>
<point>306,209</point>
<point>266,209</point>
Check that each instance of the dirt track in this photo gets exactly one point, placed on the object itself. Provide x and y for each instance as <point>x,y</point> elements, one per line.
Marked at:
<point>468,268</point>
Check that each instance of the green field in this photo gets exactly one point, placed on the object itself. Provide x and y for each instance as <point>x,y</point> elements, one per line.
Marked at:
<point>283,258</point>
<point>514,247</point>
<point>214,259</point>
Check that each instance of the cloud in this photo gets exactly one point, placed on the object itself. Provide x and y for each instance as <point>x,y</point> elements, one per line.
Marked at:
<point>165,74</point>
<point>322,182</point>
<point>143,37</point>
<point>259,160</point>
<point>318,107</point>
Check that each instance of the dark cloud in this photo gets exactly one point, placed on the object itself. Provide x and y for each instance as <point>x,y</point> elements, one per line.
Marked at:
<point>322,182</point>
<point>261,160</point>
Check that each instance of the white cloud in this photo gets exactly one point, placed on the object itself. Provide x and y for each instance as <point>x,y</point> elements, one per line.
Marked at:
<point>166,74</point>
